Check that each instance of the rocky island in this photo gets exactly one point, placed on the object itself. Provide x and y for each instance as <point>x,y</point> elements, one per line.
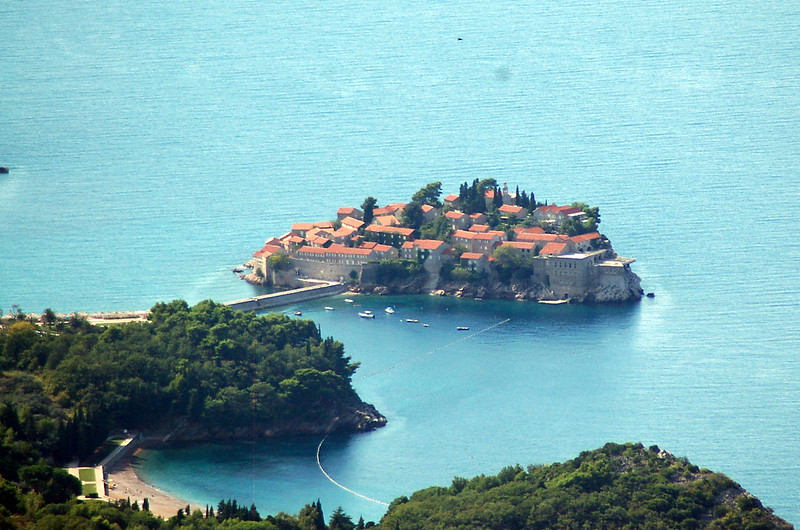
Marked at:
<point>484,242</point>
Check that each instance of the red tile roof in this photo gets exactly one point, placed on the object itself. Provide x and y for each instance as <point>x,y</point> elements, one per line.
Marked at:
<point>531,230</point>
<point>479,228</point>
<point>390,230</point>
<point>267,251</point>
<point>553,248</point>
<point>346,210</point>
<point>426,244</point>
<point>541,237</point>
<point>508,208</point>
<point>472,255</point>
<point>522,245</point>
<point>302,226</point>
<point>323,224</point>
<point>585,237</point>
<point>352,221</point>
<point>455,215</point>
<point>451,198</point>
<point>464,234</point>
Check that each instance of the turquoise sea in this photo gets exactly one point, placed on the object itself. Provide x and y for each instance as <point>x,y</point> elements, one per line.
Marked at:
<point>153,146</point>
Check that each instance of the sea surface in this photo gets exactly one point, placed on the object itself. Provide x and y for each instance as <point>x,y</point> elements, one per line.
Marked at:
<point>154,146</point>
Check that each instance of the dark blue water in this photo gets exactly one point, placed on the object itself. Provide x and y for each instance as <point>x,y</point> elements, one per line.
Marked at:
<point>153,147</point>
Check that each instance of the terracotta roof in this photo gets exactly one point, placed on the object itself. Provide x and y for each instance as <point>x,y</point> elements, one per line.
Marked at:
<point>386,220</point>
<point>295,239</point>
<point>426,244</point>
<point>477,215</point>
<point>352,221</point>
<point>451,198</point>
<point>464,234</point>
<point>479,228</point>
<point>390,230</point>
<point>455,215</point>
<point>382,248</point>
<point>540,237</point>
<point>427,208</point>
<point>267,251</point>
<point>553,249</point>
<point>585,237</point>
<point>531,230</point>
<point>302,226</point>
<point>335,249</point>
<point>368,244</point>
<point>323,224</point>
<point>347,211</point>
<point>312,250</point>
<point>344,231</point>
<point>472,255</point>
<point>508,208</point>
<point>523,245</point>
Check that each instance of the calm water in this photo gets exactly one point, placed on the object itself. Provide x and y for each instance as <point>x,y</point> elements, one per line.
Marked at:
<point>153,147</point>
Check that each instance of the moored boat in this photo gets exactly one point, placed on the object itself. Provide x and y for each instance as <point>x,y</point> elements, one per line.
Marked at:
<point>412,320</point>
<point>462,328</point>
<point>366,314</point>
<point>389,310</point>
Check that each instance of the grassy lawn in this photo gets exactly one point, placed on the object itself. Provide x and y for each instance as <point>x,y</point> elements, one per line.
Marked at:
<point>89,489</point>
<point>87,475</point>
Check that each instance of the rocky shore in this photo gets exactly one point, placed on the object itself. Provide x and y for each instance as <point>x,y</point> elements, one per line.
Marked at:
<point>356,417</point>
<point>496,290</point>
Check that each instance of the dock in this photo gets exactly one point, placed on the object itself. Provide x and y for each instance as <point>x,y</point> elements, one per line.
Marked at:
<point>318,289</point>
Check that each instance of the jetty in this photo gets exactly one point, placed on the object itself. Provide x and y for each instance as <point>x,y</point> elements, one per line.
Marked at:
<point>317,289</point>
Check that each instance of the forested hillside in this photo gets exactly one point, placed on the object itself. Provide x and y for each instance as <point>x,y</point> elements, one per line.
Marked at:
<point>66,385</point>
<point>615,487</point>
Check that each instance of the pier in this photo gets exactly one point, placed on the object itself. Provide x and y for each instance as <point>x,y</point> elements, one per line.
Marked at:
<point>319,289</point>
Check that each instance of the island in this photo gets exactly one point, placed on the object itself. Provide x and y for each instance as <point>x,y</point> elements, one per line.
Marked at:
<point>484,242</point>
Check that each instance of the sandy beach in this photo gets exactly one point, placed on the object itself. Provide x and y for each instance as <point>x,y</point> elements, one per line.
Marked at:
<point>127,484</point>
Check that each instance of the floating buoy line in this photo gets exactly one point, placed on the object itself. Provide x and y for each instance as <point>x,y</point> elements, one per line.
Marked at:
<point>382,371</point>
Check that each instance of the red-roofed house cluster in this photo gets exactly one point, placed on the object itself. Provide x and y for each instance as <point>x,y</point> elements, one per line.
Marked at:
<point>350,249</point>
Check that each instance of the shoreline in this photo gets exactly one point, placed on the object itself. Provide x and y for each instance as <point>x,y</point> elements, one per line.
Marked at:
<point>128,485</point>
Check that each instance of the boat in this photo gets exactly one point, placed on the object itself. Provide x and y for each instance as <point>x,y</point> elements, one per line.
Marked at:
<point>348,300</point>
<point>389,310</point>
<point>463,328</point>
<point>553,302</point>
<point>412,320</point>
<point>298,313</point>
<point>329,308</point>
<point>424,325</point>
<point>366,314</point>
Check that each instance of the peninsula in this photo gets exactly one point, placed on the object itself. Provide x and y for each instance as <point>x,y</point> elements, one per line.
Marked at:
<point>483,242</point>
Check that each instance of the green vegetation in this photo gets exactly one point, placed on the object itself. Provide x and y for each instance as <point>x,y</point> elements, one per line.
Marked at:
<point>394,270</point>
<point>65,387</point>
<point>615,487</point>
<point>86,474</point>
<point>512,265</point>
<point>368,207</point>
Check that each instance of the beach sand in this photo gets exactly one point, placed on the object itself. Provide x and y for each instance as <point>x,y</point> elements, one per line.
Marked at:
<point>127,484</point>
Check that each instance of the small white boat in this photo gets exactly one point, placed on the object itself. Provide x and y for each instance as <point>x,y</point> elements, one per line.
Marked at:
<point>424,325</point>
<point>412,320</point>
<point>366,314</point>
<point>389,310</point>
<point>329,308</point>
<point>298,313</point>
<point>348,300</point>
<point>463,328</point>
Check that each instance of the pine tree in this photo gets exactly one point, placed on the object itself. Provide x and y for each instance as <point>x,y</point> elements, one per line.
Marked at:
<point>146,505</point>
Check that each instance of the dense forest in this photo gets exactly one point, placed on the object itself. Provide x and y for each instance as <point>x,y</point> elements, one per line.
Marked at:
<point>65,386</point>
<point>615,487</point>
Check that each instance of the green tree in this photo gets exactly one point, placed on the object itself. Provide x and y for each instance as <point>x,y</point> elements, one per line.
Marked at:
<point>368,207</point>
<point>412,216</point>
<point>340,520</point>
<point>429,194</point>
